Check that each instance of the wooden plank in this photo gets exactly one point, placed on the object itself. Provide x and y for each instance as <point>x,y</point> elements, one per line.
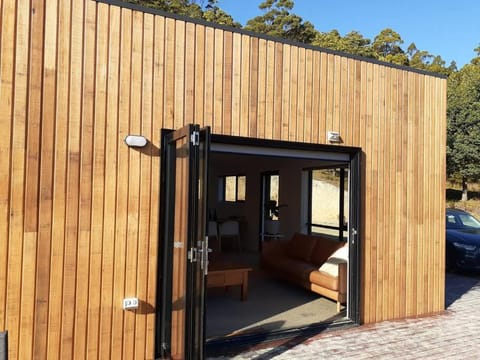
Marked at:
<point>286,70</point>
<point>66,43</point>
<point>45,209</point>
<point>227,82</point>
<point>243,129</point>
<point>108,302</point>
<point>189,97</point>
<point>169,81</point>
<point>376,213</point>
<point>322,121</point>
<point>134,159</point>
<point>218,97</point>
<point>315,136</point>
<point>209,76</point>
<point>300,108</point>
<point>32,179</point>
<point>330,94</point>
<point>179,83</point>
<point>402,164</point>
<point>293,94</point>
<point>344,119</point>
<point>308,96</point>
<point>278,99</point>
<point>236,84</point>
<point>122,155</point>
<point>252,123</point>
<point>153,245</point>
<point>76,278</point>
<point>97,172</point>
<point>7,67</point>
<point>262,88</point>
<point>270,89</point>
<point>17,176</point>
<point>145,190</point>
<point>199,74</point>
<point>370,246</point>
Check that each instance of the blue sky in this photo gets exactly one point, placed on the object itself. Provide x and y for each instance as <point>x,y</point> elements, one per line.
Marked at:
<point>450,29</point>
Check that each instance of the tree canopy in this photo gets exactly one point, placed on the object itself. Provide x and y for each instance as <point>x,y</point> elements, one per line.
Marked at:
<point>463,127</point>
<point>278,21</point>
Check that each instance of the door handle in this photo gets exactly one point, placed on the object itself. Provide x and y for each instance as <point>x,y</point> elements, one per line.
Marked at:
<point>204,250</point>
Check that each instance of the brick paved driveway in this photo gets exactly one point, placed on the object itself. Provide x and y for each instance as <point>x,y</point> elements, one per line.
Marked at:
<point>454,334</point>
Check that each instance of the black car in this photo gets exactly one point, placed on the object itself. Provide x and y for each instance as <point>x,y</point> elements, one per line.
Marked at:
<point>463,241</point>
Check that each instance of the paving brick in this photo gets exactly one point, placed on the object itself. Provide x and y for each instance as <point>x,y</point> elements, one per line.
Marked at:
<point>454,334</point>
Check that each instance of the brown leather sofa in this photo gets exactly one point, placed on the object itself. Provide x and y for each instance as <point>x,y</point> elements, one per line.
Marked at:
<point>316,263</point>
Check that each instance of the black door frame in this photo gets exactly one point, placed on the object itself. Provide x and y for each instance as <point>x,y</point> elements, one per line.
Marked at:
<point>355,184</point>
<point>195,150</point>
<point>355,242</point>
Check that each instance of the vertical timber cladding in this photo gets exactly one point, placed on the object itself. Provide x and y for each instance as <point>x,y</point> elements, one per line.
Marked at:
<point>79,209</point>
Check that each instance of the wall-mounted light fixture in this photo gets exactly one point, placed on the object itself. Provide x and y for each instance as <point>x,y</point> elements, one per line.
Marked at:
<point>136,141</point>
<point>334,137</point>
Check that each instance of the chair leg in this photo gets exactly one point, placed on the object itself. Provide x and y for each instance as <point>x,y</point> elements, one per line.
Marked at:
<point>338,306</point>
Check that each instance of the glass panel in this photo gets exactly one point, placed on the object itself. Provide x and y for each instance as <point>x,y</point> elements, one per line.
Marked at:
<point>274,191</point>
<point>346,207</point>
<point>325,200</point>
<point>241,188</point>
<point>230,188</point>
<point>180,238</point>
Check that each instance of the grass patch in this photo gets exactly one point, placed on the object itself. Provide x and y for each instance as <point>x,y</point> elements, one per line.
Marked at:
<point>454,195</point>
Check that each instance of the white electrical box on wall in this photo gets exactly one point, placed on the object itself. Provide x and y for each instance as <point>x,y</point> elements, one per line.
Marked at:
<point>130,303</point>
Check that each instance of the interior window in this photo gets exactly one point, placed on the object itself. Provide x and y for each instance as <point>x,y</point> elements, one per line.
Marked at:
<point>233,188</point>
<point>328,202</point>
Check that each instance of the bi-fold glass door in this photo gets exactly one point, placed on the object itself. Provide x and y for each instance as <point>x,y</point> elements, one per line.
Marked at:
<point>184,256</point>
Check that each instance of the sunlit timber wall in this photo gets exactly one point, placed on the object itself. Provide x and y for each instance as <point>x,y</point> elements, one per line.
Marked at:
<point>79,209</point>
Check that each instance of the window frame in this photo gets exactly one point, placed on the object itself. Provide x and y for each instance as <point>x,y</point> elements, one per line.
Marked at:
<point>342,227</point>
<point>223,188</point>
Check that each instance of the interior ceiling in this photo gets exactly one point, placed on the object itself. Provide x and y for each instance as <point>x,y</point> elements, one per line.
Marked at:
<point>279,152</point>
<point>224,158</point>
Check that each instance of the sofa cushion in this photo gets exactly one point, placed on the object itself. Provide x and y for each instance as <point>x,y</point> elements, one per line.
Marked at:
<point>296,269</point>
<point>293,268</point>
<point>338,257</point>
<point>300,247</point>
<point>323,279</point>
<point>323,249</point>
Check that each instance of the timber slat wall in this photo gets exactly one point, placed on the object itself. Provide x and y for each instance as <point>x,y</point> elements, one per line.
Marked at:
<point>79,210</point>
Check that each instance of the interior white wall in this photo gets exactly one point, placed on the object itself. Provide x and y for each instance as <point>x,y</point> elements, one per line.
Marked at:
<point>290,170</point>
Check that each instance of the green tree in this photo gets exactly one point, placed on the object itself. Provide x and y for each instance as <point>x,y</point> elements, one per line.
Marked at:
<point>191,8</point>
<point>278,21</point>
<point>214,14</point>
<point>387,47</point>
<point>463,125</point>
<point>425,61</point>
<point>352,43</point>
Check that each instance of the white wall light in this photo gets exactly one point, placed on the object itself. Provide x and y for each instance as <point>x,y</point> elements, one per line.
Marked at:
<point>136,141</point>
<point>334,137</point>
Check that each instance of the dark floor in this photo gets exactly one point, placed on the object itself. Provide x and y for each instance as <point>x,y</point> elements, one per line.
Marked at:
<point>272,305</point>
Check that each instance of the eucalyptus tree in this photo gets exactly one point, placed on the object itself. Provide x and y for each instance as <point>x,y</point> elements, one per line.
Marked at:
<point>205,10</point>
<point>279,21</point>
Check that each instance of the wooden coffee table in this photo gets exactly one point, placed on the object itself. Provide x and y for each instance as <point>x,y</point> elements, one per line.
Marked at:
<point>229,274</point>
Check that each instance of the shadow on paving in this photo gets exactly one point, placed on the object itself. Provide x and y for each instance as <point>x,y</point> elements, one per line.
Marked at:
<point>457,284</point>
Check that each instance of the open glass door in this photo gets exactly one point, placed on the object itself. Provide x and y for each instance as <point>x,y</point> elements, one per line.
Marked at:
<point>183,257</point>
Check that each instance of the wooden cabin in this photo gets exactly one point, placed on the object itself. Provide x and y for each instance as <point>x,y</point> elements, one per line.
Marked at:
<point>90,224</point>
